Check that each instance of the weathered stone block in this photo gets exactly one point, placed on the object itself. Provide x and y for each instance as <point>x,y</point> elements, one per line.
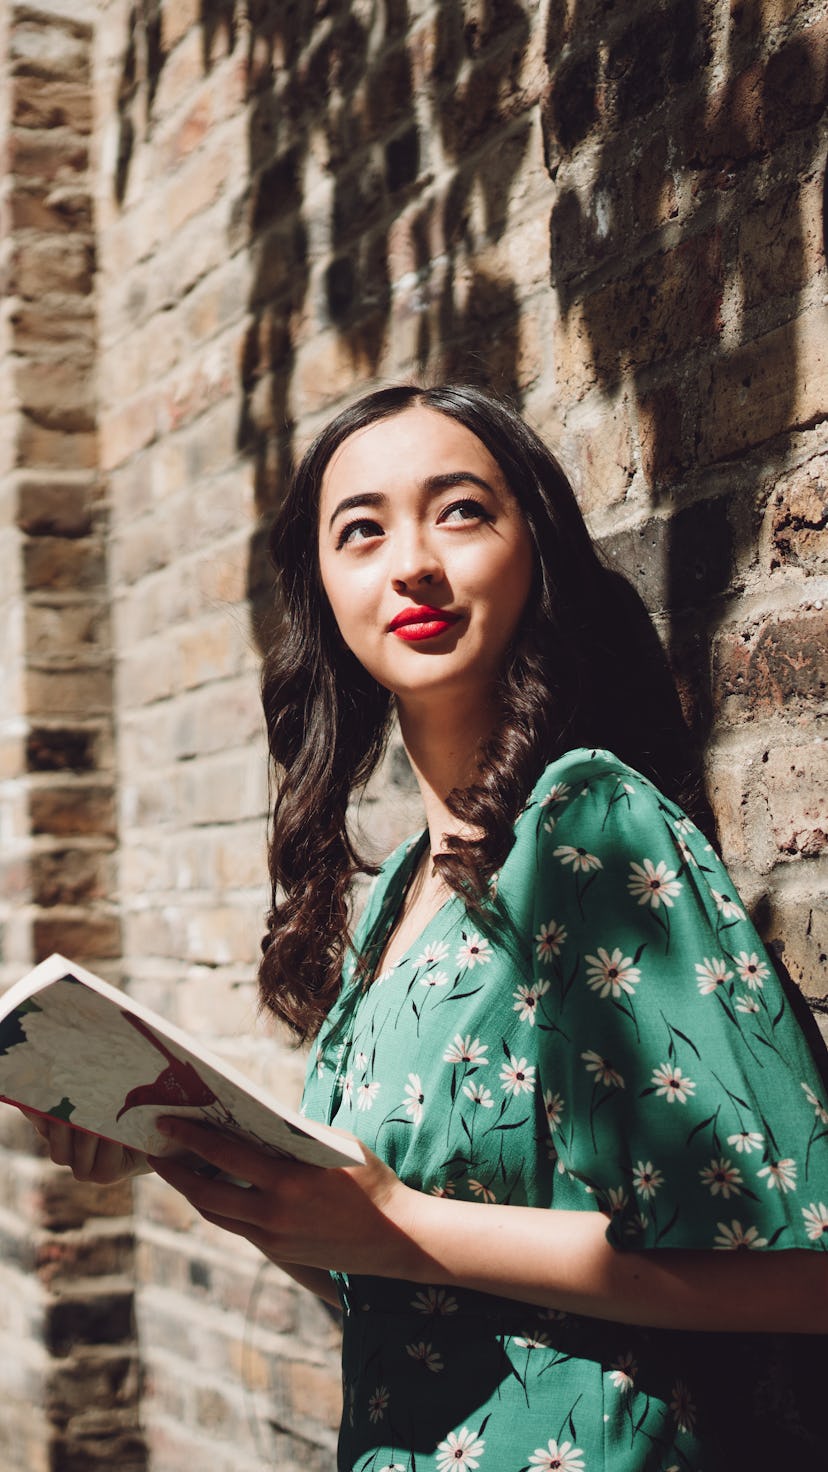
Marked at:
<point>780,662</point>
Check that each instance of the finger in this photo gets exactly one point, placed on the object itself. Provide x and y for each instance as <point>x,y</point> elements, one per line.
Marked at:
<point>38,1121</point>
<point>232,1156</point>
<point>111,1162</point>
<point>82,1160</point>
<point>237,1203</point>
<point>59,1137</point>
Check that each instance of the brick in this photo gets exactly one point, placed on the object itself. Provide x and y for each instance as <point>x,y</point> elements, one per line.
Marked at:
<point>62,563</point>
<point>89,939</point>
<point>779,663</point>
<point>71,877</point>
<point>796,926</point>
<point>72,811</point>
<point>57,211</point>
<point>78,693</point>
<point>38,447</point>
<point>677,563</point>
<point>50,49</point>
<point>765,389</point>
<point>796,780</point>
<point>56,508</point>
<point>798,517</point>
<point>60,633</point>
<point>49,156</point>
<point>57,103</point>
<point>671,302</point>
<point>62,749</point>
<point>780,241</point>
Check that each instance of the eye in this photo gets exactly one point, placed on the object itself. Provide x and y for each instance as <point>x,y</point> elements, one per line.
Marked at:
<point>466,510</point>
<point>360,530</point>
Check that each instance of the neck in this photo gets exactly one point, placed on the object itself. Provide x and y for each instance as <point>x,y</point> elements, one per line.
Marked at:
<point>443,755</point>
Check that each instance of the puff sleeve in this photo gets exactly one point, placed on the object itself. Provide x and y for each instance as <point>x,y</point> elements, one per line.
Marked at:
<point>690,1102</point>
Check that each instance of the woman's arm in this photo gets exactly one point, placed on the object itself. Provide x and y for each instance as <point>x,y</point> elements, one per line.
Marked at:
<point>364,1220</point>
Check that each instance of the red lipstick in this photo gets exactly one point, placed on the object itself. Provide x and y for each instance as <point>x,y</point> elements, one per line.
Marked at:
<point>424,622</point>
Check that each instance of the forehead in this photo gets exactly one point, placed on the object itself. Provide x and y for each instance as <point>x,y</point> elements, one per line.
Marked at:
<point>410,446</point>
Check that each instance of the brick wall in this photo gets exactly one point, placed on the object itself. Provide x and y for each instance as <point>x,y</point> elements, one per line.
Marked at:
<point>67,1343</point>
<point>614,212</point>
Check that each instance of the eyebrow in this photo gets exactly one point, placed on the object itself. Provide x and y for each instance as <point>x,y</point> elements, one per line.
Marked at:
<point>432,484</point>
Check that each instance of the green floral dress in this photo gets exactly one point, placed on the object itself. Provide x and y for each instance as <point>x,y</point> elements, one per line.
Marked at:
<point>613,1039</point>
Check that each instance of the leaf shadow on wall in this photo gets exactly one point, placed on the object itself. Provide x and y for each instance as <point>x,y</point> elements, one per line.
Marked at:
<point>656,135</point>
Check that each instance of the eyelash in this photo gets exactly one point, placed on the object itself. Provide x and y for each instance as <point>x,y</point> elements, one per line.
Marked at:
<point>466,503</point>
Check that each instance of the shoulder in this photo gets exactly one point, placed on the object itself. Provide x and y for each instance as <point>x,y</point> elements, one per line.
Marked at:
<point>590,784</point>
<point>589,811</point>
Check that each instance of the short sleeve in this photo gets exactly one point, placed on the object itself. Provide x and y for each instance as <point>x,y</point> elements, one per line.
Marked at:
<point>688,1100</point>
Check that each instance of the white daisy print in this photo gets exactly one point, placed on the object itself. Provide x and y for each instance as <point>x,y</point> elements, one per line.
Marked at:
<point>603,1070</point>
<point>434,978</point>
<point>748,1005</point>
<point>816,1221</point>
<point>646,1179</point>
<point>415,1098</point>
<point>623,1372</point>
<point>671,1083</point>
<point>681,1404</point>
<point>610,975</point>
<point>554,1106</point>
<point>684,825</point>
<point>446,1190</point>
<point>617,1200</point>
<point>462,1449</point>
<point>479,1095</point>
<point>636,1225</point>
<point>427,1356</point>
<point>751,969</point>
<point>366,1094</point>
<point>745,1141</point>
<point>581,861</point>
<point>653,885</point>
<point>434,1301</point>
<point>532,1341</point>
<point>517,1076</point>
<point>527,1000</point>
<point>816,1104</point>
<point>722,1178</point>
<point>711,974</point>
<point>558,1458</point>
<point>781,1175</point>
<point>735,1237</point>
<point>432,954</point>
<point>549,940</point>
<point>378,1403</point>
<point>558,792</point>
<point>484,1192</point>
<point>463,1050</point>
<point>474,951</point>
<point>347,1086</point>
<point>727,906</point>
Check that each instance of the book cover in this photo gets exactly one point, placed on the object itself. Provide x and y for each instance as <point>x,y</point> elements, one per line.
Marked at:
<point>77,1049</point>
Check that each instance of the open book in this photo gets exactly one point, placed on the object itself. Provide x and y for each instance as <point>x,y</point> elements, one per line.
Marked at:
<point>75,1048</point>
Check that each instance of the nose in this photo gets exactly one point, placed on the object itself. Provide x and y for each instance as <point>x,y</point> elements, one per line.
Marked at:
<point>416,561</point>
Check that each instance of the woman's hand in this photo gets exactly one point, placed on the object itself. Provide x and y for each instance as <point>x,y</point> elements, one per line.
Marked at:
<point>89,1157</point>
<point>349,1218</point>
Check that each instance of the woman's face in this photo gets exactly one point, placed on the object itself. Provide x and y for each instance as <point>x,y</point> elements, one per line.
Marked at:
<point>424,555</point>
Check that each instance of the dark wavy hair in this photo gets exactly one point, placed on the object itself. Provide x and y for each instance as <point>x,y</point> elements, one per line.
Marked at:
<point>585,669</point>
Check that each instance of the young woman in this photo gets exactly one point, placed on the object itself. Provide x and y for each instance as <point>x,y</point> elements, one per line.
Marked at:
<point>591,1227</point>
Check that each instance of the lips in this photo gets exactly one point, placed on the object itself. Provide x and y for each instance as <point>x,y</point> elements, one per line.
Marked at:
<point>421,623</point>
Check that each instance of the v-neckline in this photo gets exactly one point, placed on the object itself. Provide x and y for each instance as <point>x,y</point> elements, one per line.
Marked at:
<point>393,899</point>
